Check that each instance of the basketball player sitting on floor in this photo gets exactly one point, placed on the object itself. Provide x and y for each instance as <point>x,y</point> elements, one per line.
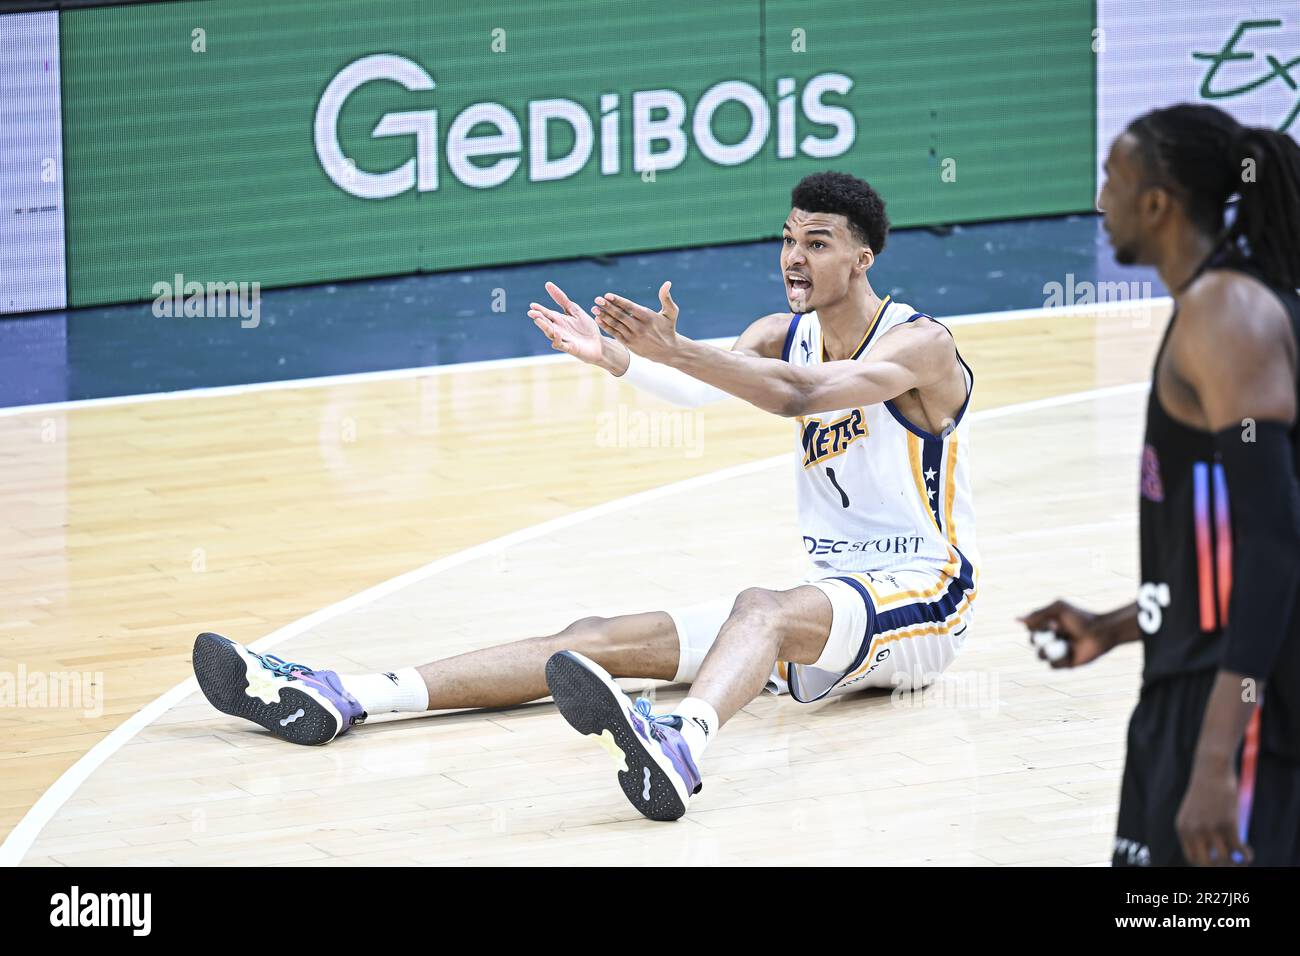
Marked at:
<point>879,393</point>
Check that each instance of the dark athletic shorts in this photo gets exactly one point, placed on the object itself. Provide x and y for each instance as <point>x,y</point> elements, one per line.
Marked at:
<point>1162,736</point>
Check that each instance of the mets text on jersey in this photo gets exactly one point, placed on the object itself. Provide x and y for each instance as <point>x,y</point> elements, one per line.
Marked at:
<point>822,440</point>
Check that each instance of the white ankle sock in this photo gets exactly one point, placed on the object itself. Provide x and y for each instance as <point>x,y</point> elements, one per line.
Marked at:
<point>699,724</point>
<point>402,691</point>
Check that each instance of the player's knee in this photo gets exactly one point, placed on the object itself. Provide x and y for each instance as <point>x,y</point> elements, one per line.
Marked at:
<point>586,634</point>
<point>758,606</point>
<point>756,601</point>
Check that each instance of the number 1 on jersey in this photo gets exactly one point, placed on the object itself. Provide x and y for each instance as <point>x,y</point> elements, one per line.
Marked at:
<point>830,473</point>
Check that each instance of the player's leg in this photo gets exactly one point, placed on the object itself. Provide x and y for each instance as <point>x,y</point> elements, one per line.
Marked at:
<point>1158,763</point>
<point>1132,845</point>
<point>657,755</point>
<point>764,627</point>
<point>826,631</point>
<point>629,645</point>
<point>310,706</point>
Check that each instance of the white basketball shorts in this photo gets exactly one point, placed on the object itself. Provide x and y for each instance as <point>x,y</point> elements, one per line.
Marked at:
<point>888,629</point>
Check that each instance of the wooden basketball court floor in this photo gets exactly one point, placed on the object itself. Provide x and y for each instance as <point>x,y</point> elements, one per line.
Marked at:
<point>371,522</point>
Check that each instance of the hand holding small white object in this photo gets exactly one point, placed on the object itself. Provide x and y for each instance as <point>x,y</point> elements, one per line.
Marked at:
<point>1067,636</point>
<point>1052,646</point>
<point>1057,649</point>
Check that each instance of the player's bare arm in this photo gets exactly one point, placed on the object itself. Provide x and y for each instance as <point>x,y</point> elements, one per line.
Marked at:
<point>914,356</point>
<point>1233,351</point>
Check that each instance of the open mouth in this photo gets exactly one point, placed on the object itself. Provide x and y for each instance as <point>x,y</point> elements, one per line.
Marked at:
<point>797,283</point>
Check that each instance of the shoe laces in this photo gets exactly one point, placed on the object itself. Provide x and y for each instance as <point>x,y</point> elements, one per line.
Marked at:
<point>289,669</point>
<point>657,726</point>
<point>655,723</point>
<point>283,668</point>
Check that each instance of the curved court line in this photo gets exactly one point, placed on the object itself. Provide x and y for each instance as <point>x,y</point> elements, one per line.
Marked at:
<point>23,835</point>
<point>353,378</point>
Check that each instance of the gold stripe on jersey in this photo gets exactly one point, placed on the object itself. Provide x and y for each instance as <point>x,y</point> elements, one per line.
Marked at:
<point>871,327</point>
<point>950,488</point>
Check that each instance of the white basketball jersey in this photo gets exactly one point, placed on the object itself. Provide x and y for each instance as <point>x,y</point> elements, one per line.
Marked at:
<point>878,493</point>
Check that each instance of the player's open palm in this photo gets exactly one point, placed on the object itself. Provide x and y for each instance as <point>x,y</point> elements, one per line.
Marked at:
<point>1066,636</point>
<point>570,329</point>
<point>643,330</point>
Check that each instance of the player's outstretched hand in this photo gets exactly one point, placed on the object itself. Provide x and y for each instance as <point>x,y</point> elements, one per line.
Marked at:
<point>1066,636</point>
<point>646,332</point>
<point>570,330</point>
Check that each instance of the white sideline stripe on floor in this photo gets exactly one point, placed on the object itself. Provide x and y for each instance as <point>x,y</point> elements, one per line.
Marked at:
<point>523,361</point>
<point>1143,307</point>
<point>23,835</point>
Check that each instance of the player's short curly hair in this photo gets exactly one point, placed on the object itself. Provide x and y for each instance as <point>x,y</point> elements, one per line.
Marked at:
<point>848,196</point>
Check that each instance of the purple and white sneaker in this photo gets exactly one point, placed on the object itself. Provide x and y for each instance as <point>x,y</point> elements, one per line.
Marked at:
<point>656,770</point>
<point>293,702</point>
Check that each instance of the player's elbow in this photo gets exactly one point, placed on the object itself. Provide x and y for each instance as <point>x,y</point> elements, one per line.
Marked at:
<point>783,408</point>
<point>794,402</point>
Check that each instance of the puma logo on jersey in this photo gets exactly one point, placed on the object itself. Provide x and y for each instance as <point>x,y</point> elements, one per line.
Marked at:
<point>822,440</point>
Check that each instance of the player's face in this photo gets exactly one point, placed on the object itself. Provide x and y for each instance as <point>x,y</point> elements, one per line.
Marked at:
<point>819,254</point>
<point>1119,201</point>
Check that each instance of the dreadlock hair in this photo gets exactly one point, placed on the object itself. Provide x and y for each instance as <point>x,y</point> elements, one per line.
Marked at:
<point>1200,154</point>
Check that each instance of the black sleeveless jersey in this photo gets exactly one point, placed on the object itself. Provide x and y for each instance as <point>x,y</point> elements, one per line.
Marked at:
<point>1187,534</point>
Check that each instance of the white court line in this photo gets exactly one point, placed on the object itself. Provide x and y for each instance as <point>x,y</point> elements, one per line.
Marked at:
<point>1136,306</point>
<point>389,375</point>
<point>22,836</point>
<point>1108,391</point>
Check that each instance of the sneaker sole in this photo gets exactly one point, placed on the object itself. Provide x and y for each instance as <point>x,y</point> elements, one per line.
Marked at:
<point>225,673</point>
<point>593,708</point>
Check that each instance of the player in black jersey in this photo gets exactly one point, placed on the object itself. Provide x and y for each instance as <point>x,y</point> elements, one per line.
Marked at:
<point>1212,774</point>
